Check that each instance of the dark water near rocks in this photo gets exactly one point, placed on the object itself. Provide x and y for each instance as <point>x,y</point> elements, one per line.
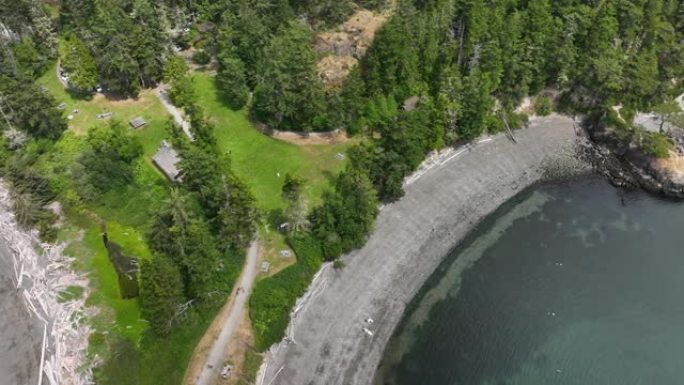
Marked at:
<point>568,284</point>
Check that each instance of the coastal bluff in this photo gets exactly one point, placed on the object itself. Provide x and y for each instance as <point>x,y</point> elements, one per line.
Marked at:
<point>330,339</point>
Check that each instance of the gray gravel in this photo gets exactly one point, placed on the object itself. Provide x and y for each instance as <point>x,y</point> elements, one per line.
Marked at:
<point>410,239</point>
<point>21,334</point>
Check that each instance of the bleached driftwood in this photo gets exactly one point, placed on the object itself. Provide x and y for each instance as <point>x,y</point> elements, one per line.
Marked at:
<point>42,271</point>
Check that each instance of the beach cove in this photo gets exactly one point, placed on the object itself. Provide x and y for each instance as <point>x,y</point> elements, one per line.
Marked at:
<point>568,283</point>
<point>330,339</point>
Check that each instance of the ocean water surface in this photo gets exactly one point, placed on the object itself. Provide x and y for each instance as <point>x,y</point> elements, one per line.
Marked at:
<point>574,283</point>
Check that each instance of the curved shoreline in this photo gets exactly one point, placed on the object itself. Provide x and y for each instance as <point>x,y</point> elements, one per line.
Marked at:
<point>444,201</point>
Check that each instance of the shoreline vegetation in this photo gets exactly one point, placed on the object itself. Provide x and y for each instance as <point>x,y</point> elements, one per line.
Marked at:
<point>329,338</point>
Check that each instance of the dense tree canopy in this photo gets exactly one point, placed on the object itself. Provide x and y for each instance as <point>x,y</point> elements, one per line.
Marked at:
<point>126,38</point>
<point>108,161</point>
<point>25,107</point>
<point>289,94</point>
<point>346,217</point>
<point>160,293</point>
<point>79,63</point>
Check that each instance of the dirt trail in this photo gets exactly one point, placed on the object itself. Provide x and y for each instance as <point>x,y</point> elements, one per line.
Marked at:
<point>209,355</point>
<point>305,138</point>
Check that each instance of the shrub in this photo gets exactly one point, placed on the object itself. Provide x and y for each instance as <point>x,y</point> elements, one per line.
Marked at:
<point>274,297</point>
<point>614,120</point>
<point>494,124</point>
<point>543,105</point>
<point>201,57</point>
<point>517,120</point>
<point>656,144</point>
<point>232,81</point>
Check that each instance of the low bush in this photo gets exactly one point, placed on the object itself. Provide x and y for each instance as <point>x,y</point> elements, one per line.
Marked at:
<point>518,120</point>
<point>274,297</point>
<point>543,106</point>
<point>656,144</point>
<point>201,57</point>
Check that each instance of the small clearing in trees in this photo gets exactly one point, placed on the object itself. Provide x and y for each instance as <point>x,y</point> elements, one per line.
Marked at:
<point>347,44</point>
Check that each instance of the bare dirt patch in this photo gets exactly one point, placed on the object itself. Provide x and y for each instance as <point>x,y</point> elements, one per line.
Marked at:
<point>314,138</point>
<point>344,46</point>
<point>306,138</point>
<point>673,167</point>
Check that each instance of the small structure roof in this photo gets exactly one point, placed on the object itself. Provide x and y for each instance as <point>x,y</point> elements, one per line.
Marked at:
<point>205,27</point>
<point>137,122</point>
<point>411,103</point>
<point>166,159</point>
<point>265,266</point>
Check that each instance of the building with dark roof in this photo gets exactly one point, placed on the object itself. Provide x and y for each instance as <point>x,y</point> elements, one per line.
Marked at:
<point>166,159</point>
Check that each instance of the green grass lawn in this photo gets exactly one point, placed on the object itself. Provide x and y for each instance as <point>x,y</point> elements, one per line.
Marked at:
<point>126,212</point>
<point>262,162</point>
<point>258,159</point>
<point>146,105</point>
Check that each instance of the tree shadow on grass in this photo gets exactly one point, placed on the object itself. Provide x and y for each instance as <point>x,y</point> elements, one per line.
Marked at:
<point>79,95</point>
<point>330,176</point>
<point>275,218</point>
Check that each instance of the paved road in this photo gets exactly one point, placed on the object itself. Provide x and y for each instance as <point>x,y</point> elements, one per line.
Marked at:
<point>327,342</point>
<point>231,316</point>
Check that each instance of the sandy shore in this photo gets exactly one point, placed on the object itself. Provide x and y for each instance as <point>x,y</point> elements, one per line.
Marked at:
<point>326,343</point>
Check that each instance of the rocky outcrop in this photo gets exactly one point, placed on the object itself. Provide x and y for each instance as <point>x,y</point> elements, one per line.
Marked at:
<point>628,167</point>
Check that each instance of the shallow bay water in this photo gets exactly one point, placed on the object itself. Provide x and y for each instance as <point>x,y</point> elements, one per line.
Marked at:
<point>571,283</point>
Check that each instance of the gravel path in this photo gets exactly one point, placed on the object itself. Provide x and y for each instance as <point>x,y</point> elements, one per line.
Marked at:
<point>173,110</point>
<point>327,342</point>
<point>229,319</point>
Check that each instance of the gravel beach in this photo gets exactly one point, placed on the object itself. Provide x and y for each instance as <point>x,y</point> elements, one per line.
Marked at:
<point>21,334</point>
<point>330,341</point>
<point>44,339</point>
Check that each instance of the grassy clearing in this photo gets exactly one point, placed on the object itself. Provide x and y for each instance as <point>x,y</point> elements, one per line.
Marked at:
<point>146,105</point>
<point>259,159</point>
<point>158,360</point>
<point>262,162</point>
<point>272,242</point>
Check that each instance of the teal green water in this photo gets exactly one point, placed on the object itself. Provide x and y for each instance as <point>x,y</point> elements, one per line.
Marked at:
<point>571,284</point>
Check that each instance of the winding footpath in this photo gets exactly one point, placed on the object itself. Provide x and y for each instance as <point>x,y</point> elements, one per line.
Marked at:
<point>227,320</point>
<point>330,339</point>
